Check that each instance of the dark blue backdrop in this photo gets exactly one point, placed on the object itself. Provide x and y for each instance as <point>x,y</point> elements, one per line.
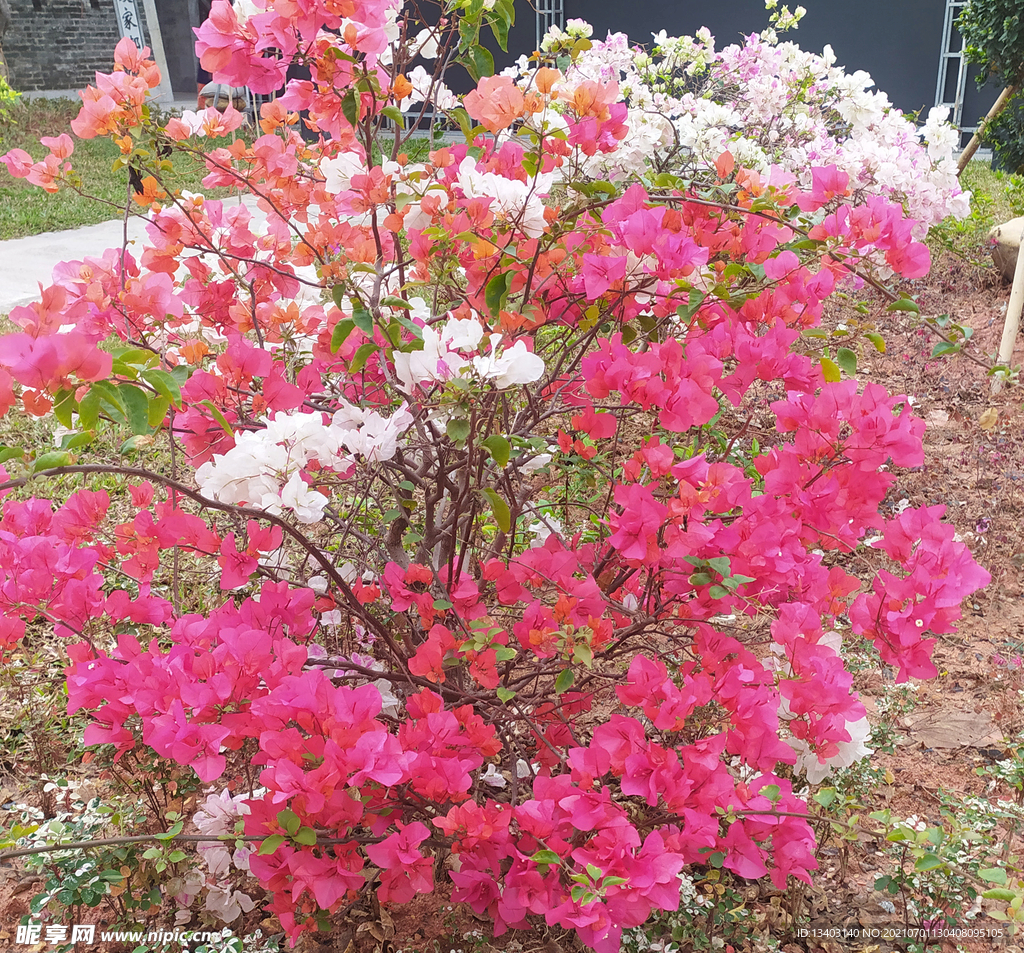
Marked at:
<point>896,41</point>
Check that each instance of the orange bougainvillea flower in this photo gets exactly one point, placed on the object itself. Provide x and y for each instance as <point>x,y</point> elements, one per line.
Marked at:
<point>36,402</point>
<point>150,193</point>
<point>496,103</point>
<point>546,79</point>
<point>593,99</point>
<point>401,87</point>
<point>194,351</point>
<point>273,115</point>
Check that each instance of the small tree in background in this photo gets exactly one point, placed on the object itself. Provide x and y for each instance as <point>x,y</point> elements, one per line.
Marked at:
<point>994,31</point>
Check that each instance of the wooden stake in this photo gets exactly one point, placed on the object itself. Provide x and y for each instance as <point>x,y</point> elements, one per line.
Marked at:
<point>997,108</point>
<point>1013,311</point>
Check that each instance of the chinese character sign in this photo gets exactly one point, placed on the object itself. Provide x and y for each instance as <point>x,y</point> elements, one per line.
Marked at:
<point>129,22</point>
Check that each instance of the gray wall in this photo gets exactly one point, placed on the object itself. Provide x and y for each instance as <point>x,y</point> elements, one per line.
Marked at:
<point>61,44</point>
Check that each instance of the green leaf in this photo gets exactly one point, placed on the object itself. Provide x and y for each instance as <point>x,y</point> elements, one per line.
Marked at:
<point>904,304</point>
<point>945,347</point>
<point>875,338</point>
<point>289,820</point>
<point>64,405</point>
<point>825,797</point>
<point>172,833</point>
<point>700,579</point>
<point>134,444</point>
<point>718,592</point>
<point>337,294</point>
<point>158,407</point>
<point>831,371</point>
<point>48,461</point>
<point>218,416</point>
<point>721,565</point>
<point>137,408</point>
<point>546,857</point>
<point>134,355</point>
<point>108,394</point>
<point>270,844</point>
<point>361,356</point>
<point>847,360</point>
<point>364,321</point>
<point>496,292</point>
<point>500,30</point>
<point>504,694</point>
<point>499,448</point>
<point>350,107</point>
<point>340,333</point>
<point>583,654</point>
<point>75,440</point>
<point>929,862</point>
<point>504,653</point>
<point>305,836</point>
<point>458,429</point>
<point>478,62</point>
<point>89,410</point>
<point>465,124</point>
<point>999,893</point>
<point>687,311</point>
<point>994,875</point>
<point>565,679</point>
<point>502,514</point>
<point>393,301</point>
<point>164,385</point>
<point>393,113</point>
<point>175,857</point>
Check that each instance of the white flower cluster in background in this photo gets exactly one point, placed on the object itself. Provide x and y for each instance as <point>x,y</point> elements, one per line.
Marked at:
<point>771,105</point>
<point>264,467</point>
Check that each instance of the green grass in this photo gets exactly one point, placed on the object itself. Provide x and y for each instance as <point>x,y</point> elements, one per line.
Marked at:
<point>28,210</point>
<point>996,198</point>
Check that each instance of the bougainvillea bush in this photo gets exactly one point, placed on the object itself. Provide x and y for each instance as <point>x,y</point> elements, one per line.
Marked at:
<point>475,517</point>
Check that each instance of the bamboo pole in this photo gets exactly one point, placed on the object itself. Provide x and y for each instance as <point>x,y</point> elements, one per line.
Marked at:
<point>1013,312</point>
<point>997,108</point>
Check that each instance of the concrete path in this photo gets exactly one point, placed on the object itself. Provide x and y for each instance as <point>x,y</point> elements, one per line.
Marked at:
<point>25,263</point>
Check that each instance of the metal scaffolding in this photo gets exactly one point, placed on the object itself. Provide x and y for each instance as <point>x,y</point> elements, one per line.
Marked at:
<point>952,78</point>
<point>549,13</point>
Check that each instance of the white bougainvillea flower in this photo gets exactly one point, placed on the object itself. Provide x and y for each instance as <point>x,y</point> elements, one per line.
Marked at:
<point>849,752</point>
<point>304,502</point>
<point>511,367</point>
<point>425,44</point>
<point>338,172</point>
<point>440,359</point>
<point>512,200</point>
<point>493,777</point>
